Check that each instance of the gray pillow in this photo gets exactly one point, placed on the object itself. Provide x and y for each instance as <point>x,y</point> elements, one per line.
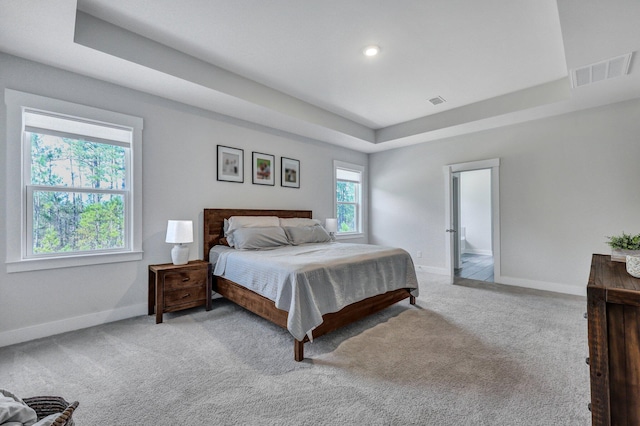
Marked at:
<point>259,238</point>
<point>307,234</point>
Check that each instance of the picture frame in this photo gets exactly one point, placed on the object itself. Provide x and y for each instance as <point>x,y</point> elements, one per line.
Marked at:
<point>230,164</point>
<point>263,169</point>
<point>290,173</point>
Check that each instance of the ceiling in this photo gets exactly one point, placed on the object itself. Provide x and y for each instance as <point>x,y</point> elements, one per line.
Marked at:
<point>297,65</point>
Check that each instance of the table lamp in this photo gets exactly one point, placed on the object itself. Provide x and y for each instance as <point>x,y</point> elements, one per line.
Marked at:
<point>331,225</point>
<point>180,232</point>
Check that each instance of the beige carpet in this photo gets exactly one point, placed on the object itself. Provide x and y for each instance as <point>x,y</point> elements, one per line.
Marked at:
<point>469,354</point>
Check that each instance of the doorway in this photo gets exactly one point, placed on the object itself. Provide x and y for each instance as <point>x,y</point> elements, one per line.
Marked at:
<point>482,255</point>
<point>473,248</point>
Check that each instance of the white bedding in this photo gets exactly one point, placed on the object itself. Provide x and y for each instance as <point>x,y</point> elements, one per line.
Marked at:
<point>311,280</point>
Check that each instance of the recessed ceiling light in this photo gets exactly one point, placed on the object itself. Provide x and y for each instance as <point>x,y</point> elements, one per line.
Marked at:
<point>371,50</point>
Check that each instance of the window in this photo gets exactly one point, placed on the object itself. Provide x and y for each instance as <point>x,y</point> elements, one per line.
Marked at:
<point>349,189</point>
<point>78,187</point>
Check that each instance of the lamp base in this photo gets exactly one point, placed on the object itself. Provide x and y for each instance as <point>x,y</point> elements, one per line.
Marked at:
<point>180,254</point>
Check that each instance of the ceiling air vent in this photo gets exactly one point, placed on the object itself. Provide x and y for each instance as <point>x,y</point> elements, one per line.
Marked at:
<point>611,68</point>
<point>437,100</point>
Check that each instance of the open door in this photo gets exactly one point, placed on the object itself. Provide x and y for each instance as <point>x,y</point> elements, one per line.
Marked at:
<point>449,221</point>
<point>451,227</point>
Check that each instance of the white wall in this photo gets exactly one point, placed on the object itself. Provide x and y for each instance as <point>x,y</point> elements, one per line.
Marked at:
<point>565,183</point>
<point>475,210</point>
<point>179,181</point>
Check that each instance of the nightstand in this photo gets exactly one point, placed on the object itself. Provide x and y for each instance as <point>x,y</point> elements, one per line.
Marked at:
<point>176,287</point>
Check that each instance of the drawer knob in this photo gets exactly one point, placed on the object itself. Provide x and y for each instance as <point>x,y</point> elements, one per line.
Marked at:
<point>585,315</point>
<point>586,360</point>
<point>184,280</point>
<point>189,294</point>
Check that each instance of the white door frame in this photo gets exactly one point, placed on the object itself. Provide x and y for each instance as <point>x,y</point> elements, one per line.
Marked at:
<point>449,170</point>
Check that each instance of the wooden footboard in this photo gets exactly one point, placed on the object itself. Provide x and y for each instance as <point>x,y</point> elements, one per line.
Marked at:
<point>250,300</point>
<point>266,308</point>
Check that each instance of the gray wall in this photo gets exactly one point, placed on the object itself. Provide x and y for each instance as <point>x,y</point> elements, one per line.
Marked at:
<point>179,181</point>
<point>565,183</point>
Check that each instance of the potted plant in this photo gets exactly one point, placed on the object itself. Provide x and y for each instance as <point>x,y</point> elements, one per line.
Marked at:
<point>623,245</point>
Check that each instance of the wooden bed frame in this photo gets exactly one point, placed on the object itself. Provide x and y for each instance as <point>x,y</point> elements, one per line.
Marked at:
<point>213,231</point>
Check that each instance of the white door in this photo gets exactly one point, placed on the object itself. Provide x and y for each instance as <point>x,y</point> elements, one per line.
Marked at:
<point>451,236</point>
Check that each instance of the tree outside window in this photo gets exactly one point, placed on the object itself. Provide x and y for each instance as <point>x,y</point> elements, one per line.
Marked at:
<point>78,191</point>
<point>348,198</point>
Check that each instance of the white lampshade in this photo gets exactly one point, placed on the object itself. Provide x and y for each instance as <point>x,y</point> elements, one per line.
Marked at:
<point>331,225</point>
<point>179,231</point>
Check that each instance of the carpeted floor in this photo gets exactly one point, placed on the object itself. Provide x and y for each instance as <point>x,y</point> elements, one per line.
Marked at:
<point>468,354</point>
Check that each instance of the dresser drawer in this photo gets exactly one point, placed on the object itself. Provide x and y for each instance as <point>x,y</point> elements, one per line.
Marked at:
<point>187,278</point>
<point>184,296</point>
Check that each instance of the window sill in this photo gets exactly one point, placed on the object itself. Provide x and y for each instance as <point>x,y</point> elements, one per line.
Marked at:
<point>355,235</point>
<point>71,261</point>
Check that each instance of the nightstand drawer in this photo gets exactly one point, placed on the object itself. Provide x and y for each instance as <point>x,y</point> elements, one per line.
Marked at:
<point>181,279</point>
<point>184,296</point>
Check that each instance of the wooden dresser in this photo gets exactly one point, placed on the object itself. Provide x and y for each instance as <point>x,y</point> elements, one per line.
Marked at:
<point>613,313</point>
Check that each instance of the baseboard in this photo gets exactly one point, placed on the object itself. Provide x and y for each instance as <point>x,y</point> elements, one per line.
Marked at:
<point>433,270</point>
<point>478,251</point>
<point>76,323</point>
<point>543,285</point>
<point>70,324</point>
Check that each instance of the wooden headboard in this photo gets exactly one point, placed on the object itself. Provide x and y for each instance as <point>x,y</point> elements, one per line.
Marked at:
<point>213,220</point>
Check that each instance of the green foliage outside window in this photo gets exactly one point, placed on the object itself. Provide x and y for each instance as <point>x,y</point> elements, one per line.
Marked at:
<point>65,220</point>
<point>347,197</point>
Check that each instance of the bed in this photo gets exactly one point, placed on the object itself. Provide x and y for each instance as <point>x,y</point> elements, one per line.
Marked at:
<point>273,310</point>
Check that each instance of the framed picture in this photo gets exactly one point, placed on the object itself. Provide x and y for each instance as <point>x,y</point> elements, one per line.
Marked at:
<point>290,173</point>
<point>263,169</point>
<point>230,164</point>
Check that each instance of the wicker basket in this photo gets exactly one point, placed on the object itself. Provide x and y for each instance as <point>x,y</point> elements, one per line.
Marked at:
<point>47,405</point>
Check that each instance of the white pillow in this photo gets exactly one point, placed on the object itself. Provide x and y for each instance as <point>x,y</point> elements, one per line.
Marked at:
<point>298,221</point>
<point>227,235</point>
<point>259,238</point>
<point>307,234</point>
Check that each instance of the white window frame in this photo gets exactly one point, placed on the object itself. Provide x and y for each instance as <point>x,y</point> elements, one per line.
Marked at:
<point>360,205</point>
<point>18,189</point>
